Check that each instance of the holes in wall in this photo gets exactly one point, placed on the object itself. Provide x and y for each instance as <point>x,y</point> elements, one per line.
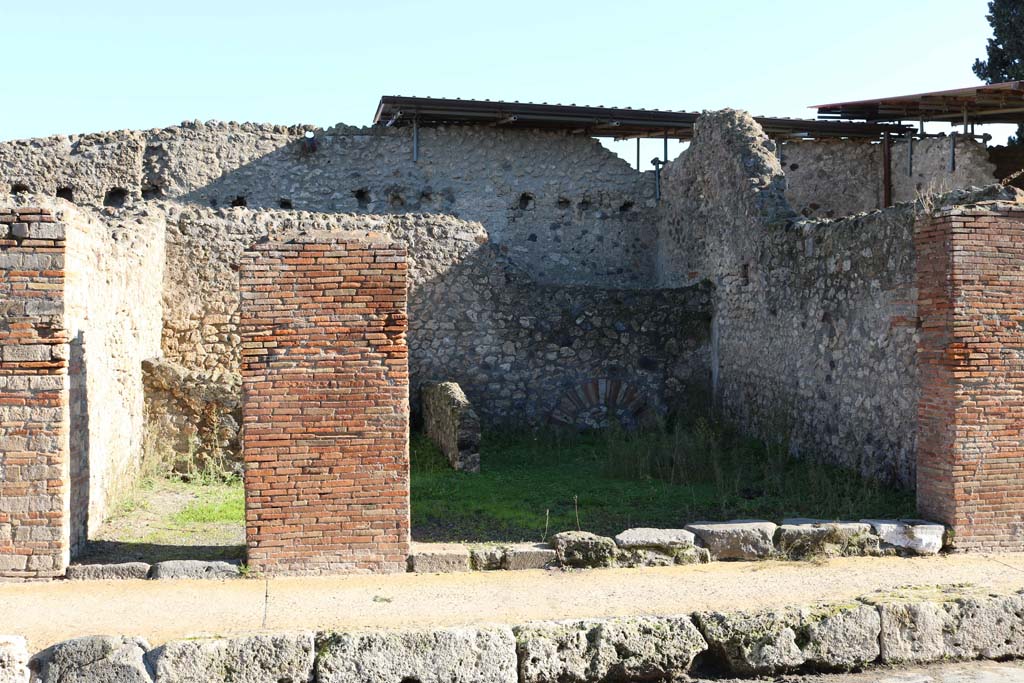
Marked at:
<point>362,196</point>
<point>426,197</point>
<point>526,201</point>
<point>745,274</point>
<point>239,201</point>
<point>396,200</point>
<point>150,192</point>
<point>532,237</point>
<point>65,193</point>
<point>793,167</point>
<point>213,202</point>
<point>285,203</point>
<point>19,187</point>
<point>115,197</point>
<point>564,203</point>
<point>584,205</point>
<point>627,206</point>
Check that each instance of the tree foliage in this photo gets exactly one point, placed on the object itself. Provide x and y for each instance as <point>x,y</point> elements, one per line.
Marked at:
<point>1005,48</point>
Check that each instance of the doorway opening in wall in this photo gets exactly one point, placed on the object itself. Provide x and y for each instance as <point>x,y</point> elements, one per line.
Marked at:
<point>675,471</point>
<point>186,502</point>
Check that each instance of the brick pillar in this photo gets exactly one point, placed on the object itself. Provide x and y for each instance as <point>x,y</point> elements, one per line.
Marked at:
<point>34,414</point>
<point>325,404</point>
<point>970,276</point>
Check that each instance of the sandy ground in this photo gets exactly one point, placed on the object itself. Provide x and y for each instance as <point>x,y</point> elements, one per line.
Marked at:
<point>46,612</point>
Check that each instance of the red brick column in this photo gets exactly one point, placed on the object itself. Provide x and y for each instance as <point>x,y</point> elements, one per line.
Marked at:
<point>325,404</point>
<point>34,472</point>
<point>970,274</point>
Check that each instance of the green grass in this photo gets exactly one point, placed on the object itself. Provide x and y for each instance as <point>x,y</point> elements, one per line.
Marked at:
<point>224,504</point>
<point>534,485</point>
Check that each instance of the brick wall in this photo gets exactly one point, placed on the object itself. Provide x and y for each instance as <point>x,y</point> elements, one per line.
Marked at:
<point>325,404</point>
<point>970,276</point>
<point>34,426</point>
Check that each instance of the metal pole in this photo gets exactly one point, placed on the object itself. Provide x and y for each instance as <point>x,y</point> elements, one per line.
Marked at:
<point>638,154</point>
<point>952,152</point>
<point>886,171</point>
<point>664,157</point>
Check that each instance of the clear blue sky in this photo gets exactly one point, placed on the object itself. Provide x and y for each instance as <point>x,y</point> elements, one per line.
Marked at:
<point>81,66</point>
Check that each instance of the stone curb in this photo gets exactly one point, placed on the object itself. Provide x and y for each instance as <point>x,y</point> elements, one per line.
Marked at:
<point>917,625</point>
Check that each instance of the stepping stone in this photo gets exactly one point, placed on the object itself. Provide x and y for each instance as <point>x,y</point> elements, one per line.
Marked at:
<point>529,556</point>
<point>438,558</point>
<point>103,572</point>
<point>584,549</point>
<point>737,539</point>
<point>194,569</point>
<point>914,535</point>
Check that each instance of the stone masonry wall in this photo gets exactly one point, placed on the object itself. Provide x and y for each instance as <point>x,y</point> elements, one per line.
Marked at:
<point>325,404</point>
<point>475,318</point>
<point>561,206</point>
<point>971,280</point>
<point>114,317</point>
<point>34,425</point>
<point>451,423</point>
<point>836,178</point>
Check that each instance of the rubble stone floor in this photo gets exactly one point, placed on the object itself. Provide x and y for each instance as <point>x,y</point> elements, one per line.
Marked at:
<point>168,609</point>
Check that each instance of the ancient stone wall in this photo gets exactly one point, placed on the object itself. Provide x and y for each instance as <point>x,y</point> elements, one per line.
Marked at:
<point>814,330</point>
<point>475,318</point>
<point>451,423</point>
<point>562,207</point>
<point>325,404</point>
<point>113,315</point>
<point>34,418</point>
<point>836,178</point>
<point>971,282</point>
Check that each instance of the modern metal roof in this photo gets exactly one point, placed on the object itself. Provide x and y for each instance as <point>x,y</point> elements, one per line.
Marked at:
<point>595,121</point>
<point>996,103</point>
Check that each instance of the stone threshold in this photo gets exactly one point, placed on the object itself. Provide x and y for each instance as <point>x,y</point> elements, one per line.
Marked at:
<point>911,625</point>
<point>697,543</point>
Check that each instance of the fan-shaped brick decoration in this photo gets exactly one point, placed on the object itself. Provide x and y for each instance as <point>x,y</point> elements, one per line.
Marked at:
<point>599,403</point>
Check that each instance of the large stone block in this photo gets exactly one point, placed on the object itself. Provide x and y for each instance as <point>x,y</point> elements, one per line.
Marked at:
<point>584,549</point>
<point>737,539</point>
<point>453,655</point>
<point>914,536</point>
<point>802,538</point>
<point>101,572</point>
<point>617,649</point>
<point>13,659</point>
<point>949,622</point>
<point>769,642</point>
<point>452,424</point>
<point>93,659</point>
<point>438,558</point>
<point>529,556</point>
<point>280,658</point>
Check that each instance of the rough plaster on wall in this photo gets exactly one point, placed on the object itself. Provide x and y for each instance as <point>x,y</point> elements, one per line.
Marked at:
<point>114,316</point>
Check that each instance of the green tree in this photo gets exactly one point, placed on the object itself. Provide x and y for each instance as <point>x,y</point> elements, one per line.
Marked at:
<point>1005,48</point>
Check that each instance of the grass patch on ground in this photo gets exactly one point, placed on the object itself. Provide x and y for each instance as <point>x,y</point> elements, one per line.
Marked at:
<point>533,485</point>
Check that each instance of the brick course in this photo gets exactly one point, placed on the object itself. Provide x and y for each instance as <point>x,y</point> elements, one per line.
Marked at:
<point>325,404</point>
<point>34,536</point>
<point>970,276</point>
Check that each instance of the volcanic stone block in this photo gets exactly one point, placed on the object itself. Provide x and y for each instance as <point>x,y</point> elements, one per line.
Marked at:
<point>802,538</point>
<point>250,659</point>
<point>13,659</point>
<point>915,536</point>
<point>102,572</point>
<point>618,649</point>
<point>529,556</point>
<point>737,539</point>
<point>194,569</point>
<point>452,424</point>
<point>454,655</point>
<point>775,641</point>
<point>93,659</point>
<point>584,549</point>
<point>439,558</point>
